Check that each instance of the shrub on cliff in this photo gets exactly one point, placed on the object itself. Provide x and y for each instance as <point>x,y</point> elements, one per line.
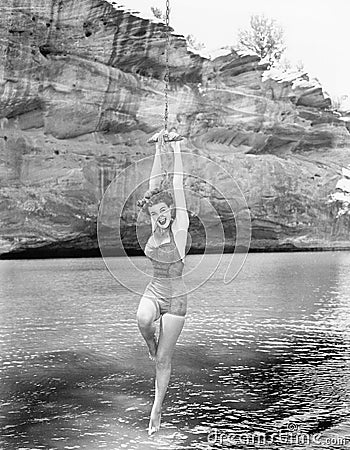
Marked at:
<point>264,38</point>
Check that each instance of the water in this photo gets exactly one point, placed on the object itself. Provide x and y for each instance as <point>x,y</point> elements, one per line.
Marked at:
<point>266,353</point>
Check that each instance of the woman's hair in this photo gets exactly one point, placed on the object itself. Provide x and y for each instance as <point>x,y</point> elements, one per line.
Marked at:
<point>154,196</point>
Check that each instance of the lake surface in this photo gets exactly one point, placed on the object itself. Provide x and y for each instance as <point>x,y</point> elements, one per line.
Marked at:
<point>266,353</point>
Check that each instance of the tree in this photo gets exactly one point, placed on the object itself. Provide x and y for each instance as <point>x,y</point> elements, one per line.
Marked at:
<point>286,65</point>
<point>193,43</point>
<point>300,66</point>
<point>264,37</point>
<point>158,14</point>
<point>341,102</point>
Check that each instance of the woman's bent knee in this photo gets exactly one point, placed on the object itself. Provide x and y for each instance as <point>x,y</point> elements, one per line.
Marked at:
<point>146,312</point>
<point>144,322</point>
<point>144,318</point>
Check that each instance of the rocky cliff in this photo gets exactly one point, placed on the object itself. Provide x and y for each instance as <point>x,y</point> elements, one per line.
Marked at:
<point>81,91</point>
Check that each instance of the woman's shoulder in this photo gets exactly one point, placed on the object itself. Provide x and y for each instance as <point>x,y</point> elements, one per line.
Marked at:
<point>151,243</point>
<point>150,247</point>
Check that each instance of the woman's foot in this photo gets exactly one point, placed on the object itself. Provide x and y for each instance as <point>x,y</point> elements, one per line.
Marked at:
<point>154,422</point>
<point>152,348</point>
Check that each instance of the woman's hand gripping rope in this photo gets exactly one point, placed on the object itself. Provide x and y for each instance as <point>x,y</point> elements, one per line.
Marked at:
<point>164,137</point>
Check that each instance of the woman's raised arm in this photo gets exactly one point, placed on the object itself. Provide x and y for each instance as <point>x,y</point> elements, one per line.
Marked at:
<point>181,220</point>
<point>156,172</point>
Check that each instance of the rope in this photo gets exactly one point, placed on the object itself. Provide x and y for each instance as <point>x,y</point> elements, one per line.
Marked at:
<point>167,73</point>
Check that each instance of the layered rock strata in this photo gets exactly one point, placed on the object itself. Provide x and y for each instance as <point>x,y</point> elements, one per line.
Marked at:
<point>81,91</point>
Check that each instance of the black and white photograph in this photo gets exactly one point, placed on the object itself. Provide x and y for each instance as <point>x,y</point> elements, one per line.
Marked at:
<point>174,225</point>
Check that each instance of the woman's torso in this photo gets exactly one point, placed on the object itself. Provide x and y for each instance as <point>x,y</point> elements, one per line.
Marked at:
<point>166,259</point>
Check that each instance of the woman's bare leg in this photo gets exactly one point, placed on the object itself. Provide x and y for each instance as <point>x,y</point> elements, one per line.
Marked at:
<point>170,329</point>
<point>146,316</point>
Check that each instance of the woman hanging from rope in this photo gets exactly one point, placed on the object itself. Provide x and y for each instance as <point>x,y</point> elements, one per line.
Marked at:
<point>165,296</point>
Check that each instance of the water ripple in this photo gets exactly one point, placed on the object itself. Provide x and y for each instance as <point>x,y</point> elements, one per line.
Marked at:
<point>268,352</point>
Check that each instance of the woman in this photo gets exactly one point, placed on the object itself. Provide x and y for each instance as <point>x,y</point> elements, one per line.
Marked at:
<point>165,296</point>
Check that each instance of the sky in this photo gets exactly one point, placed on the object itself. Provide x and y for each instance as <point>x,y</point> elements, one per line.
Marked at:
<point>316,32</point>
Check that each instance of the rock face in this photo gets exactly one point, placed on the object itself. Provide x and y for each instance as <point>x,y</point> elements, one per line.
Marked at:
<point>81,92</point>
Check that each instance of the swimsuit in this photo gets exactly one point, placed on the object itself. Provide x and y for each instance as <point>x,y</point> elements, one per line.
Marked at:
<point>167,289</point>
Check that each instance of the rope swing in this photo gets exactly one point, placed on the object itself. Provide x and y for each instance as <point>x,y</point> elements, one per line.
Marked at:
<point>164,137</point>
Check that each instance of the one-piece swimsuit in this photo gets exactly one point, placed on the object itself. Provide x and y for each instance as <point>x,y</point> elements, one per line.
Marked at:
<point>166,289</point>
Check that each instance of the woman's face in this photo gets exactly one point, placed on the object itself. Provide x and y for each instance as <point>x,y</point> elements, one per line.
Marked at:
<point>160,215</point>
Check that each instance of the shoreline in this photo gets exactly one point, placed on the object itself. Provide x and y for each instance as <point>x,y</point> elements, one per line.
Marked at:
<point>44,253</point>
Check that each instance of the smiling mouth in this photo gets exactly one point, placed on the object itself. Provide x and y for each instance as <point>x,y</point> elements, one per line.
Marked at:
<point>162,221</point>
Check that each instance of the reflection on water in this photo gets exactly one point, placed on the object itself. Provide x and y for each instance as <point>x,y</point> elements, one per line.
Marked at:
<point>269,350</point>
